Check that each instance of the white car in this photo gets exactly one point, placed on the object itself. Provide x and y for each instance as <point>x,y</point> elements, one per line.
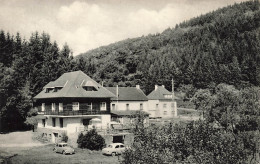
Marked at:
<point>114,149</point>
<point>63,148</point>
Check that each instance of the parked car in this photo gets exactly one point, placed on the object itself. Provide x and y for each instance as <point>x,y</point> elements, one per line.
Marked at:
<point>114,149</point>
<point>63,148</point>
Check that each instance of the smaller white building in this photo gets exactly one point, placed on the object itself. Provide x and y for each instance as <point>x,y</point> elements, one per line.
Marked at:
<point>128,99</point>
<point>161,104</point>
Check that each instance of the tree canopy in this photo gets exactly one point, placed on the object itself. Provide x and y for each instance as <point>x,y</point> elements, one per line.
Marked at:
<point>222,46</point>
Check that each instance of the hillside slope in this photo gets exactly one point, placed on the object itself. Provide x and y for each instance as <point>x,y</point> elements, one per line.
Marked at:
<point>219,47</point>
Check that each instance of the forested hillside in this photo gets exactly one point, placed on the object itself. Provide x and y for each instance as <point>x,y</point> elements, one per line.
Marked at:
<point>25,67</point>
<point>220,47</point>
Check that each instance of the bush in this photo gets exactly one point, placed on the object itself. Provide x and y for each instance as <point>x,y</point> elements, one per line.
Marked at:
<point>64,137</point>
<point>196,142</point>
<point>92,140</point>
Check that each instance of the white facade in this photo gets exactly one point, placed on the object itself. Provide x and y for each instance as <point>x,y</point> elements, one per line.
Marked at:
<point>161,108</point>
<point>129,105</point>
<point>74,124</point>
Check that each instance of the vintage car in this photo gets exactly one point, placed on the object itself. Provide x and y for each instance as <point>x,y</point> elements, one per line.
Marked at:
<point>114,149</point>
<point>63,148</point>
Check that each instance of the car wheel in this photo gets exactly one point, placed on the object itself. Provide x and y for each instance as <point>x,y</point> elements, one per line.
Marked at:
<point>113,154</point>
<point>63,152</point>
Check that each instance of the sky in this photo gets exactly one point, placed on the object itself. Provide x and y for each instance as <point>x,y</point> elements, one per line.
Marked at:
<point>88,24</point>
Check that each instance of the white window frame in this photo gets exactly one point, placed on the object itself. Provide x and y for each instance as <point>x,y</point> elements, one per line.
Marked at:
<point>113,106</point>
<point>127,106</point>
<point>75,106</point>
<point>60,107</point>
<point>165,112</point>
<point>168,96</point>
<point>53,106</point>
<point>141,106</point>
<point>43,107</point>
<point>103,106</point>
<point>156,106</point>
<point>164,105</point>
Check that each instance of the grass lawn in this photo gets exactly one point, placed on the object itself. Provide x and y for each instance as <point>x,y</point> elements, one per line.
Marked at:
<point>19,147</point>
<point>44,154</point>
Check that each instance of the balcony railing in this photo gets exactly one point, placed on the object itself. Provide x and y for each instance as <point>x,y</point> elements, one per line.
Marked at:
<point>71,113</point>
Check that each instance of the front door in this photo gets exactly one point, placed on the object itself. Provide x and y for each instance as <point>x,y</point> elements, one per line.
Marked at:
<point>55,137</point>
<point>86,123</point>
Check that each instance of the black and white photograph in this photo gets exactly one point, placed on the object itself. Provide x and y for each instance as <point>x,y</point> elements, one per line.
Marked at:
<point>129,81</point>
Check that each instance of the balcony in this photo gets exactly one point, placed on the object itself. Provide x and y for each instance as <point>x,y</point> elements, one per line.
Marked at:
<point>72,113</point>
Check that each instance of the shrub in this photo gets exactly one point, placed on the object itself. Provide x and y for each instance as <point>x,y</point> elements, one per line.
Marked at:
<point>196,142</point>
<point>91,140</point>
<point>64,137</point>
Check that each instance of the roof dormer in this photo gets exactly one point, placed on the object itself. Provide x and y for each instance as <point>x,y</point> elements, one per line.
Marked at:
<point>89,85</point>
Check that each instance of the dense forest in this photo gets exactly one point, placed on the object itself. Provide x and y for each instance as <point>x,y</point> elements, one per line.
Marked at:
<point>25,67</point>
<point>219,47</point>
<point>222,46</point>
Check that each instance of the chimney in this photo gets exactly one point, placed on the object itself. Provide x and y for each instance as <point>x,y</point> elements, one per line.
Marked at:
<point>155,87</point>
<point>163,86</point>
<point>138,86</point>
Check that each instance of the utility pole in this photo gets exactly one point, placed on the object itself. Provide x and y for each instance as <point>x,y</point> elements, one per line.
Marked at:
<point>117,97</point>
<point>173,102</point>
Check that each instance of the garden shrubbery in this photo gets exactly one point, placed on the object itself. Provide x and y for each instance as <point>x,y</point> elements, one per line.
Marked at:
<point>64,137</point>
<point>91,140</point>
<point>229,132</point>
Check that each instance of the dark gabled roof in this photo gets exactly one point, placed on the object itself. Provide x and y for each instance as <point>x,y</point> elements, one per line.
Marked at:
<point>159,94</point>
<point>72,84</point>
<point>127,112</point>
<point>128,94</point>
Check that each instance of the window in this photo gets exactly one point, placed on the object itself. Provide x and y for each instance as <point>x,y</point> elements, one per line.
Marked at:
<point>127,106</point>
<point>53,107</point>
<point>53,122</point>
<point>56,89</point>
<point>60,107</point>
<point>89,106</point>
<point>75,105</point>
<point>43,107</point>
<point>113,106</point>
<point>90,88</point>
<point>141,106</point>
<point>167,96</point>
<point>103,106</point>
<point>122,146</point>
<point>43,122</point>
<point>61,122</point>
<point>164,105</point>
<point>117,146</point>
<point>157,106</point>
<point>48,90</point>
<point>165,113</point>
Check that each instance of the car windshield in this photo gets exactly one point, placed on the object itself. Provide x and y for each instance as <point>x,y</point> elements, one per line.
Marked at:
<point>110,146</point>
<point>63,145</point>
